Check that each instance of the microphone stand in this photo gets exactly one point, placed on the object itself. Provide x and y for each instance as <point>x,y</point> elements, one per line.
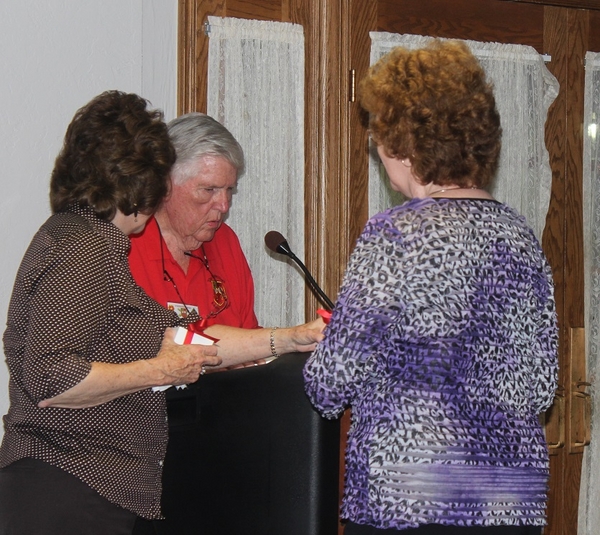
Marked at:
<point>278,244</point>
<point>311,281</point>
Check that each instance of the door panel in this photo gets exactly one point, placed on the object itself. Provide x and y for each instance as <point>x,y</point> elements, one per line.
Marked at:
<point>563,34</point>
<point>502,22</point>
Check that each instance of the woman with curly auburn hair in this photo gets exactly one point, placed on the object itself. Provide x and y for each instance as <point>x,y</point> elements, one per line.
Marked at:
<point>434,108</point>
<point>85,435</point>
<point>443,340</point>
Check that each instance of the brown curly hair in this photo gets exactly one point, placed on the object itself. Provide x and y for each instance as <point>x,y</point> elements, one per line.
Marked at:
<point>434,106</point>
<point>116,155</point>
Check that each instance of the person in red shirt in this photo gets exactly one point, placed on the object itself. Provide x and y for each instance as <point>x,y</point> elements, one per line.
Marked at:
<point>190,261</point>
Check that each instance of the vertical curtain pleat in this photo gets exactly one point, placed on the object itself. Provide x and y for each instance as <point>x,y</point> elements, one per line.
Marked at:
<point>256,89</point>
<point>524,90</point>
<point>589,496</point>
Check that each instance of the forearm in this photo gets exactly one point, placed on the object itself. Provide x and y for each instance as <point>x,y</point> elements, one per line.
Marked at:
<point>237,346</point>
<point>106,382</point>
<point>174,365</point>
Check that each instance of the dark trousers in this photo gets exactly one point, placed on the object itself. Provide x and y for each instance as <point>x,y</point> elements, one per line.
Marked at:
<point>37,498</point>
<point>436,529</point>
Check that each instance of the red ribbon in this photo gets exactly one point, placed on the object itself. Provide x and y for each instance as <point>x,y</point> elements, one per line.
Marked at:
<point>189,335</point>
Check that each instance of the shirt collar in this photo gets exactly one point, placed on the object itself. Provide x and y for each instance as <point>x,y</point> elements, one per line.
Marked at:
<point>118,241</point>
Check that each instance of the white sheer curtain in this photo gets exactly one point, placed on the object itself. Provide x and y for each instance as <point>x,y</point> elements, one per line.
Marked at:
<point>589,497</point>
<point>524,90</point>
<point>256,89</point>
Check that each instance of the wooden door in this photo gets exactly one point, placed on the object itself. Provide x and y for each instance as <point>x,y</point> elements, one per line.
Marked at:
<point>564,34</point>
<point>337,54</point>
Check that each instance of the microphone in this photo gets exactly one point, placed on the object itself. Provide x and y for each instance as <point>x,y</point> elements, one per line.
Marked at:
<point>278,244</point>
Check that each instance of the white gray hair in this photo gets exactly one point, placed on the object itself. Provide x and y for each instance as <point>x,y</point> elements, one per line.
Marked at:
<point>195,135</point>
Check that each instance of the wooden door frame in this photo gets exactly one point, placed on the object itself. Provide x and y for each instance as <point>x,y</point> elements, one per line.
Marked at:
<point>565,39</point>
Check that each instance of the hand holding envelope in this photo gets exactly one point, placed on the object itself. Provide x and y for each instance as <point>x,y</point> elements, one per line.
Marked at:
<point>185,337</point>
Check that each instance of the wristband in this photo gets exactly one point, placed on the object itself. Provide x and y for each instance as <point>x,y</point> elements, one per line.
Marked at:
<point>272,342</point>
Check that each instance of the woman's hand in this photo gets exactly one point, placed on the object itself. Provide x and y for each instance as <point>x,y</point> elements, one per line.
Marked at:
<point>182,364</point>
<point>299,338</point>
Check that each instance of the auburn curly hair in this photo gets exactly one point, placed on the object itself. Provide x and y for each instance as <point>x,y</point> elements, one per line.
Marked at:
<point>116,155</point>
<point>434,106</point>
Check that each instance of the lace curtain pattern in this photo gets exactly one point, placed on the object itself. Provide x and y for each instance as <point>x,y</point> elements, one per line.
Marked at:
<point>524,90</point>
<point>589,512</point>
<point>256,89</point>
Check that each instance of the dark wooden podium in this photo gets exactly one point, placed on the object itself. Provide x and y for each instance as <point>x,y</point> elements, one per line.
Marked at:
<point>248,455</point>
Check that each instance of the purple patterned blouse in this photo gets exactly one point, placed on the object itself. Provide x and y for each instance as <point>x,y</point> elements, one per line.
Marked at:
<point>444,343</point>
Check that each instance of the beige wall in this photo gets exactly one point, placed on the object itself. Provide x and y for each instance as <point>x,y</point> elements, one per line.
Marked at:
<point>55,55</point>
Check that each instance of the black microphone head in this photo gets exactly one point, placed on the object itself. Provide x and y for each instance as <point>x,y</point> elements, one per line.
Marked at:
<point>277,243</point>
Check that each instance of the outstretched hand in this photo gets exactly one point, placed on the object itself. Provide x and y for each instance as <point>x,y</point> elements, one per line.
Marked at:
<point>306,336</point>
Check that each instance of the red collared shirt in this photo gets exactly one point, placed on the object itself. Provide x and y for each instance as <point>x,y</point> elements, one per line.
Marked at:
<point>226,261</point>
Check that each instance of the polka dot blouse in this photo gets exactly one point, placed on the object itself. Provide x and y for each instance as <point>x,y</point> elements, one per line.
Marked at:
<point>74,302</point>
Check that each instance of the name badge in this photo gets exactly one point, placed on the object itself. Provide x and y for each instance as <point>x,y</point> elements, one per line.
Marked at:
<point>182,310</point>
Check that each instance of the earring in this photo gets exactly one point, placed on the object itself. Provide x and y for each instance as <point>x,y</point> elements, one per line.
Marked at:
<point>135,212</point>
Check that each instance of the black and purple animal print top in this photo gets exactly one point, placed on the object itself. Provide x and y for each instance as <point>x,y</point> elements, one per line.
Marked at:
<point>444,343</point>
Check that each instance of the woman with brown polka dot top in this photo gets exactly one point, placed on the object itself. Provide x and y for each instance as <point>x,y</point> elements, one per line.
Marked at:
<point>86,432</point>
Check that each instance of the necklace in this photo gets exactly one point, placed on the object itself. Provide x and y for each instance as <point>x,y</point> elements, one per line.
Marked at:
<point>202,258</point>
<point>443,190</point>
<point>220,300</point>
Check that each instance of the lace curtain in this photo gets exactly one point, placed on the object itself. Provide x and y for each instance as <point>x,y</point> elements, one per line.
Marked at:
<point>256,89</point>
<point>524,90</point>
<point>589,512</point>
